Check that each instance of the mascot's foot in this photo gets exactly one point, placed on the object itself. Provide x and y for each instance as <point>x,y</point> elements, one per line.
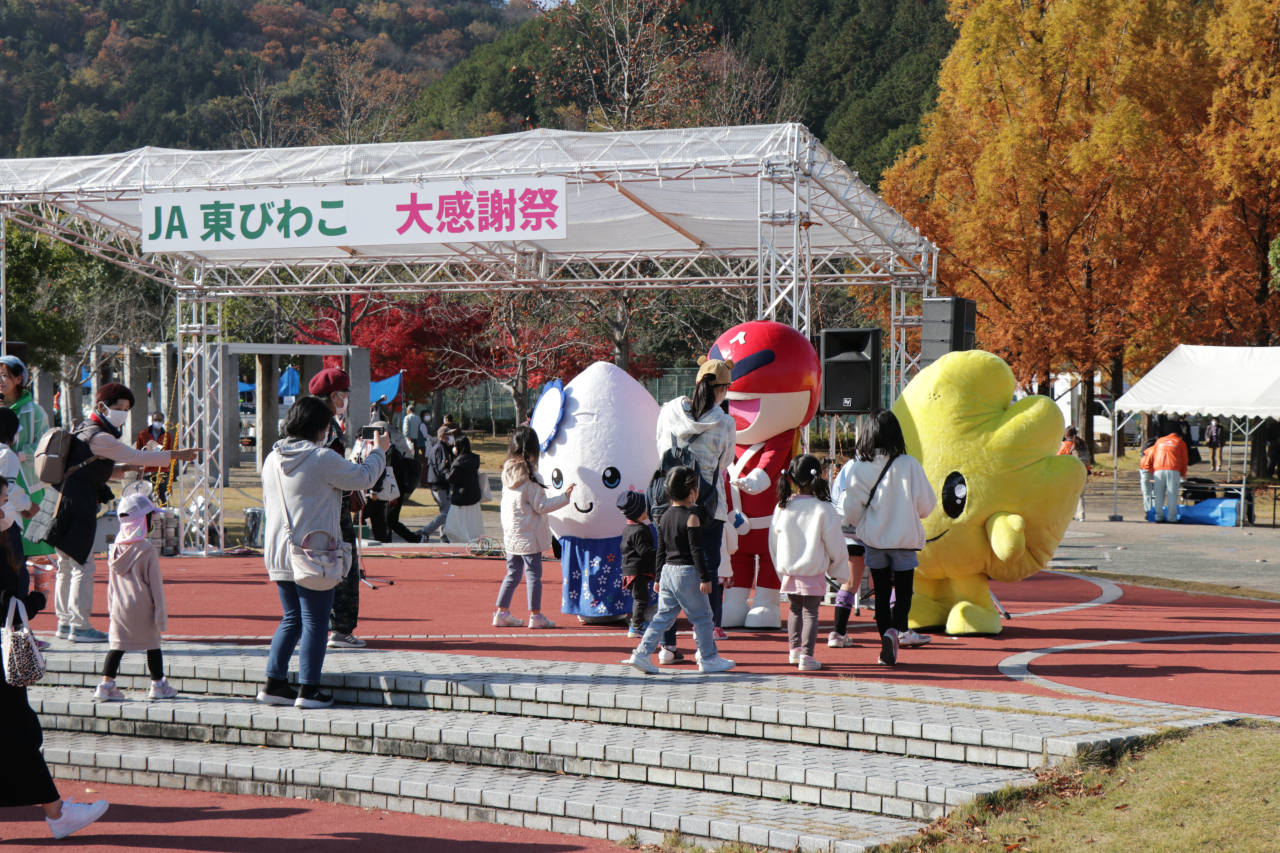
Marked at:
<point>969,618</point>
<point>766,610</point>
<point>927,612</point>
<point>733,614</point>
<point>603,620</point>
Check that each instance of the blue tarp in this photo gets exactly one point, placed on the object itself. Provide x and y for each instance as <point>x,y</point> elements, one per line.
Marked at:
<point>289,382</point>
<point>245,387</point>
<point>1218,512</point>
<point>389,386</point>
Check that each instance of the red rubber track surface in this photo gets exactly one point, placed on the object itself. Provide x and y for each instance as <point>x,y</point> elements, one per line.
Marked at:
<point>154,820</point>
<point>230,597</point>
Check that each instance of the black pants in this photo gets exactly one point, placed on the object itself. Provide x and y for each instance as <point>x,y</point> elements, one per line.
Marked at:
<point>346,595</point>
<point>900,583</point>
<point>26,780</point>
<point>155,664</point>
<point>396,526</point>
<point>376,513</point>
<point>640,599</point>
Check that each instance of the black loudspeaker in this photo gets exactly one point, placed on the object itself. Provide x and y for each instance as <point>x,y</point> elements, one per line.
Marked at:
<point>947,325</point>
<point>851,377</point>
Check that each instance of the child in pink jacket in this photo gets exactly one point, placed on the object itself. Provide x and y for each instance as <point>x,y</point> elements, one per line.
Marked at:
<point>135,601</point>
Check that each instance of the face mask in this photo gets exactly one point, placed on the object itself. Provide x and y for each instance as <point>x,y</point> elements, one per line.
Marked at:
<point>342,410</point>
<point>116,417</point>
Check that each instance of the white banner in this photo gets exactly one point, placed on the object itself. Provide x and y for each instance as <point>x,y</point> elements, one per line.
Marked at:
<point>341,216</point>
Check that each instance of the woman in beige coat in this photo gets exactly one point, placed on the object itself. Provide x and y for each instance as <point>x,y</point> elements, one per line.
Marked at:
<point>135,601</point>
<point>525,532</point>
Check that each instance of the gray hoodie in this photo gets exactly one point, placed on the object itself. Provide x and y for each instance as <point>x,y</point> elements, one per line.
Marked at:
<point>711,440</point>
<point>314,479</point>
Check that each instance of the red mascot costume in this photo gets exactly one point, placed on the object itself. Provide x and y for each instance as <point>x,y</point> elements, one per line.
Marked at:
<point>774,393</point>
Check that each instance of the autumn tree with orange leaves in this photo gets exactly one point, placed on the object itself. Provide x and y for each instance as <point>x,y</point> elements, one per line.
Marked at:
<point>1078,174</point>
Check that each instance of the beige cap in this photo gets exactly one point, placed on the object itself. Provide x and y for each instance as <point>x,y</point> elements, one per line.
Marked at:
<point>722,370</point>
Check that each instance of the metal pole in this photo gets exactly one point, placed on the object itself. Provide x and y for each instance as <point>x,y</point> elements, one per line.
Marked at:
<point>4,294</point>
<point>1115,468</point>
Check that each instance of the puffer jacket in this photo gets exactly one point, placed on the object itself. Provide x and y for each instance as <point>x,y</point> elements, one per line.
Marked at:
<point>524,508</point>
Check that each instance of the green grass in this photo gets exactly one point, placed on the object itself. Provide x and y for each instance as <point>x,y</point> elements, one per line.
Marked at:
<point>1216,789</point>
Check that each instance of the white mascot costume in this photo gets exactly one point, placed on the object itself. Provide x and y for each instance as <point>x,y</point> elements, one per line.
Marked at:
<point>597,432</point>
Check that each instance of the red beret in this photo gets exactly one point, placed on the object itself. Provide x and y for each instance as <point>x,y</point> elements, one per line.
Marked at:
<point>329,380</point>
<point>113,391</point>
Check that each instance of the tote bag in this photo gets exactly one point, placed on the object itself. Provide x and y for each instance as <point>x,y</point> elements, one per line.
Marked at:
<point>23,663</point>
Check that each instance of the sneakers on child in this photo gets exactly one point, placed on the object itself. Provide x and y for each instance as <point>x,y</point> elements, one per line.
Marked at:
<point>839,641</point>
<point>540,621</point>
<point>75,817</point>
<point>715,664</point>
<point>504,619</point>
<point>670,654</point>
<point>889,647</point>
<point>311,697</point>
<point>808,663</point>
<point>642,663</point>
<point>107,691</point>
<point>718,633</point>
<point>338,640</point>
<point>277,692</point>
<point>794,656</point>
<point>161,690</point>
<point>637,631</point>
<point>912,640</point>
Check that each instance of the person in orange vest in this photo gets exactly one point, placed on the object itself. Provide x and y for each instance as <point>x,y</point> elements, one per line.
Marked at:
<point>162,437</point>
<point>1074,445</point>
<point>1167,460</point>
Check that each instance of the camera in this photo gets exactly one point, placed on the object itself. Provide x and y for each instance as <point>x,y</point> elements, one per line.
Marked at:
<point>370,433</point>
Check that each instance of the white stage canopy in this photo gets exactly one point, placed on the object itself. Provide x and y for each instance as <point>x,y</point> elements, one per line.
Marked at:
<point>1238,382</point>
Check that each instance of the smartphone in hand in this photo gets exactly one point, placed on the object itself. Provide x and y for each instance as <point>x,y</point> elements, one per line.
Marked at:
<point>370,433</point>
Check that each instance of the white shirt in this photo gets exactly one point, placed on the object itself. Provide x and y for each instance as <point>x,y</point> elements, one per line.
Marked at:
<point>903,498</point>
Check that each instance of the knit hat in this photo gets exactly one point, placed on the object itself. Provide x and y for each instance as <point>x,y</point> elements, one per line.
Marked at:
<point>329,380</point>
<point>632,505</point>
<point>722,370</point>
<point>16,367</point>
<point>113,391</point>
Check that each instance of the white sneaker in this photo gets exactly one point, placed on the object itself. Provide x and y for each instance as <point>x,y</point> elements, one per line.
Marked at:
<point>666,655</point>
<point>106,691</point>
<point>75,817</point>
<point>808,663</point>
<point>794,656</point>
<point>839,641</point>
<point>715,664</point>
<point>503,619</point>
<point>161,690</point>
<point>345,641</point>
<point>642,663</point>
<point>540,621</point>
<point>913,640</point>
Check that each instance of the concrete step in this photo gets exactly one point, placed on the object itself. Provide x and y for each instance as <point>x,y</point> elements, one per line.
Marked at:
<point>575,805</point>
<point>1009,730</point>
<point>902,786</point>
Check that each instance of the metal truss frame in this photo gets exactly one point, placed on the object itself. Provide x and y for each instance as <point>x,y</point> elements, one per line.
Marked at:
<point>800,187</point>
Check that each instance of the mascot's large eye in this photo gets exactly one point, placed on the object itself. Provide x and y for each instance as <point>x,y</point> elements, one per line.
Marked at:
<point>954,492</point>
<point>612,477</point>
<point>557,478</point>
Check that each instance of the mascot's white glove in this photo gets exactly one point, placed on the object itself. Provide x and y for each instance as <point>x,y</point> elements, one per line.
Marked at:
<point>754,483</point>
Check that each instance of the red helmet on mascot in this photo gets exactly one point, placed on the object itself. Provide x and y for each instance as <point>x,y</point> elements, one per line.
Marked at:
<point>775,378</point>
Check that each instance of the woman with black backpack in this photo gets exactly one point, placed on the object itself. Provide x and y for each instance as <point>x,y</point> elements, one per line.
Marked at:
<point>699,425</point>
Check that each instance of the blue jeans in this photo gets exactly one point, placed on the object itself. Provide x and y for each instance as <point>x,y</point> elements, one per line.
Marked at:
<point>679,590</point>
<point>441,494</point>
<point>898,559</point>
<point>306,618</point>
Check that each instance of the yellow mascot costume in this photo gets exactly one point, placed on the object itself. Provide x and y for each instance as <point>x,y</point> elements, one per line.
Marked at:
<point>1004,497</point>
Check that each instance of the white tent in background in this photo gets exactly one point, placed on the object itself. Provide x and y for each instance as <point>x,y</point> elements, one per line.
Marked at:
<point>1235,383</point>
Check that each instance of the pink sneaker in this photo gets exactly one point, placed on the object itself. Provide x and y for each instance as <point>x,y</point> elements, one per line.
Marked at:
<point>540,621</point>
<point>719,633</point>
<point>504,619</point>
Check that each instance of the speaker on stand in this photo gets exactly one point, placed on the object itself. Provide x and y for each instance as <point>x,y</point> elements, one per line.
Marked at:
<point>852,381</point>
<point>947,325</point>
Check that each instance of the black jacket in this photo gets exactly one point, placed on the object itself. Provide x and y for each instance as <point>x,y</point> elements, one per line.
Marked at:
<point>639,554</point>
<point>464,480</point>
<point>82,495</point>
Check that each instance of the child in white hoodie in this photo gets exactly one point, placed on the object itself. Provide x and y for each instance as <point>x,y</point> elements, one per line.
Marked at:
<point>135,601</point>
<point>886,495</point>
<point>806,544</point>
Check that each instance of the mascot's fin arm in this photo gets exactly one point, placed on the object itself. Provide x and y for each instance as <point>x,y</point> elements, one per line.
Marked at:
<point>1007,533</point>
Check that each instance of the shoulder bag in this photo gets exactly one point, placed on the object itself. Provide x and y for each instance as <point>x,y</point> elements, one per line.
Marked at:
<point>312,568</point>
<point>23,663</point>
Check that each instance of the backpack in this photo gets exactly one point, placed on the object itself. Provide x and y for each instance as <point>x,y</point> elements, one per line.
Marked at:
<point>677,456</point>
<point>52,454</point>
